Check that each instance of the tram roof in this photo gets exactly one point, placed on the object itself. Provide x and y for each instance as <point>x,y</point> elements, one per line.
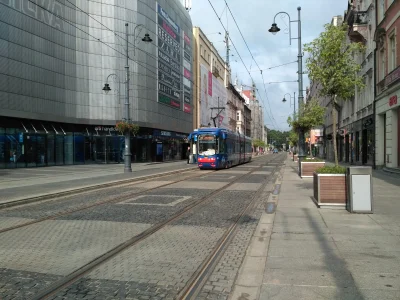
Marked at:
<point>212,130</point>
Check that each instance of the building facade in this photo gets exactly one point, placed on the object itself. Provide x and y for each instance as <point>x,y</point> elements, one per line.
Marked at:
<point>211,79</point>
<point>55,59</point>
<point>387,102</point>
<point>257,116</point>
<point>355,138</point>
<point>236,111</point>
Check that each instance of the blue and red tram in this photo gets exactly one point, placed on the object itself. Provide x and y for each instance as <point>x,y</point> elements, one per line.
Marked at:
<point>218,148</point>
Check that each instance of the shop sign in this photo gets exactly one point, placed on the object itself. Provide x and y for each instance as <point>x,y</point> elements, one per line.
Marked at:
<point>393,100</point>
<point>102,128</point>
<point>165,133</point>
<point>171,134</point>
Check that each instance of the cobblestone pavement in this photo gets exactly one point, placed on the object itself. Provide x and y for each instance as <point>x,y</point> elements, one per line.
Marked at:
<point>156,268</point>
<point>27,182</point>
<point>16,284</point>
<point>220,283</point>
<point>15,215</point>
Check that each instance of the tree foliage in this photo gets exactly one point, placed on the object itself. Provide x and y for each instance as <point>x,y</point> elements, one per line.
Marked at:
<point>293,138</point>
<point>258,143</point>
<point>331,63</point>
<point>312,115</point>
<point>277,137</point>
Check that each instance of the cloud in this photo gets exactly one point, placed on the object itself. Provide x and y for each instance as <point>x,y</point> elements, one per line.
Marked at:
<point>254,18</point>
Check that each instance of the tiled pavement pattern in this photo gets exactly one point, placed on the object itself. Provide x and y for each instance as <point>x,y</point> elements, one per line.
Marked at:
<point>172,254</point>
<point>220,283</point>
<point>15,215</point>
<point>60,247</point>
<point>162,264</point>
<point>332,254</point>
<point>28,182</point>
<point>121,212</point>
<point>23,285</point>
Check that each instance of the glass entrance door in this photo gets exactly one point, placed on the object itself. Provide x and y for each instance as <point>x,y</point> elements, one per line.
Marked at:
<point>99,149</point>
<point>112,149</point>
<point>30,150</point>
<point>41,153</point>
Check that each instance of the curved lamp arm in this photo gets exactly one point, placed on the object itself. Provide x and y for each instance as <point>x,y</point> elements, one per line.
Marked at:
<point>290,31</point>
<point>115,75</point>
<point>135,37</point>
<point>107,87</point>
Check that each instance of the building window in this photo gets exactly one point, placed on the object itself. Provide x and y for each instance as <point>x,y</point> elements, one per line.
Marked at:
<point>392,53</point>
<point>382,65</point>
<point>205,52</point>
<point>381,10</point>
<point>201,50</point>
<point>208,58</point>
<point>238,116</point>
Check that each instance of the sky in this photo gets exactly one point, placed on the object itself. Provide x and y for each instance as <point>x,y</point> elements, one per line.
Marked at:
<point>254,18</point>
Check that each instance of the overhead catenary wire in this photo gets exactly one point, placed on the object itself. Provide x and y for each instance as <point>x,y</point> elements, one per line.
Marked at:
<point>259,69</point>
<point>233,44</point>
<point>106,44</point>
<point>117,51</point>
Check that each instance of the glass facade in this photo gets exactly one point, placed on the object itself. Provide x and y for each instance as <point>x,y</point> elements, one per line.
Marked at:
<point>66,144</point>
<point>359,141</point>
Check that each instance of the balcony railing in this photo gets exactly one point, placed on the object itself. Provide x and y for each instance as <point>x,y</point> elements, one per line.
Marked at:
<point>392,77</point>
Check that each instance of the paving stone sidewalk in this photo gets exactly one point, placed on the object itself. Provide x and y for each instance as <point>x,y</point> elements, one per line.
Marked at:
<point>324,254</point>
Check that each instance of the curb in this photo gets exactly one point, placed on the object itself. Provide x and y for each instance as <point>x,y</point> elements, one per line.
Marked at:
<point>88,188</point>
<point>250,276</point>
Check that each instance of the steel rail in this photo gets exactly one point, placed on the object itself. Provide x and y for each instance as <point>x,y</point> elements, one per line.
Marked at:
<point>200,277</point>
<point>79,273</point>
<point>107,201</point>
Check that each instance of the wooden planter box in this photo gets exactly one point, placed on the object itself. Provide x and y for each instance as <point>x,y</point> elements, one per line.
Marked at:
<point>308,167</point>
<point>330,190</point>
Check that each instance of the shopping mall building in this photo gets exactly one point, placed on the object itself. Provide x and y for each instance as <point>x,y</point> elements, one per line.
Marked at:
<point>55,58</point>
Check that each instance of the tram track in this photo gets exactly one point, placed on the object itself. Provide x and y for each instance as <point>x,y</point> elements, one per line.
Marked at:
<point>87,189</point>
<point>70,279</point>
<point>100,203</point>
<point>200,277</point>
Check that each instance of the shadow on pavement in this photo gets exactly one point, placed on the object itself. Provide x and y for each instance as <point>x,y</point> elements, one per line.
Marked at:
<point>340,265</point>
<point>390,178</point>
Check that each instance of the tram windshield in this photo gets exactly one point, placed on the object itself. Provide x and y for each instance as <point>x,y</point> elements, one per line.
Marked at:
<point>208,144</point>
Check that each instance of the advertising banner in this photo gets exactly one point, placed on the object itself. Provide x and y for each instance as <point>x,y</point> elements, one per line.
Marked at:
<point>169,58</point>
<point>187,72</point>
<point>174,59</point>
<point>212,95</point>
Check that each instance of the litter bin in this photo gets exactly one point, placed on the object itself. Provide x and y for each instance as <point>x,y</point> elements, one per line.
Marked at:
<point>359,194</point>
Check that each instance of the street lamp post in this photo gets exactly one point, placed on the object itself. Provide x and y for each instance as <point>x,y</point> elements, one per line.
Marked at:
<point>127,134</point>
<point>294,103</point>
<point>274,29</point>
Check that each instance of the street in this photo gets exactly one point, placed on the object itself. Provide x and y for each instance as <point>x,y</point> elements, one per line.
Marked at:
<point>44,245</point>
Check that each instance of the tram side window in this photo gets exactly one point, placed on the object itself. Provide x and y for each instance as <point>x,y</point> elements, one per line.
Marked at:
<point>222,146</point>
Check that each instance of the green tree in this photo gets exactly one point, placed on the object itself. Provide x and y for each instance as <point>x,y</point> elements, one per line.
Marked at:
<point>312,115</point>
<point>293,138</point>
<point>331,63</point>
<point>259,143</point>
<point>277,136</point>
